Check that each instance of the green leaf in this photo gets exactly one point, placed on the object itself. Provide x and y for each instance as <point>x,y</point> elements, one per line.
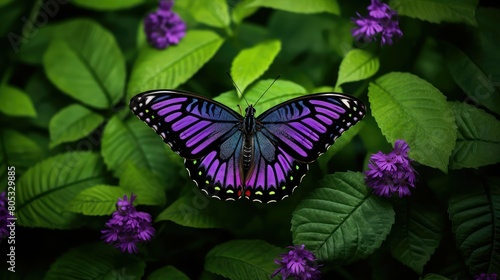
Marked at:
<point>5,2</point>
<point>357,65</point>
<point>178,63</point>
<point>17,150</point>
<point>33,49</point>
<point>196,210</point>
<point>103,5</point>
<point>260,57</point>
<point>475,218</point>
<point>96,261</point>
<point>472,79</point>
<point>432,276</point>
<point>99,200</point>
<point>437,11</point>
<point>214,13</point>
<point>478,141</point>
<point>241,11</point>
<point>243,259</point>
<point>15,103</point>
<point>45,190</point>
<point>144,183</point>
<point>167,272</point>
<point>135,142</point>
<point>85,63</point>
<point>409,108</point>
<point>281,91</point>
<point>298,6</point>
<point>416,233</point>
<point>72,123</point>
<point>341,220</point>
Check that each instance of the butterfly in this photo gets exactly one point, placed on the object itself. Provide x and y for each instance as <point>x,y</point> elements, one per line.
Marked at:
<point>230,156</point>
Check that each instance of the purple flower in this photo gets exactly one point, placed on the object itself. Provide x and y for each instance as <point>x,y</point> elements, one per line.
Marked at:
<point>391,173</point>
<point>127,226</point>
<point>4,216</point>
<point>381,20</point>
<point>164,27</point>
<point>485,276</point>
<point>299,263</point>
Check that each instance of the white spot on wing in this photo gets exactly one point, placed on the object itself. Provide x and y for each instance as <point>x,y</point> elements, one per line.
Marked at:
<point>148,99</point>
<point>346,102</point>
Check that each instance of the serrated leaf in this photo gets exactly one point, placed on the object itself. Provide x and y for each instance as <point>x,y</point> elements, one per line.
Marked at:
<point>167,272</point>
<point>214,13</point>
<point>341,220</point>
<point>475,218</point>
<point>438,11</point>
<point>157,69</point>
<point>476,83</point>
<point>85,62</point>
<point>416,234</point>
<point>298,6</point>
<point>144,183</point>
<point>478,140</point>
<point>133,141</point>
<point>409,108</point>
<point>72,123</point>
<point>96,261</point>
<point>99,200</point>
<point>251,63</point>
<point>14,102</point>
<point>45,190</point>
<point>196,210</point>
<point>279,92</point>
<point>357,65</point>
<point>104,5</point>
<point>243,259</point>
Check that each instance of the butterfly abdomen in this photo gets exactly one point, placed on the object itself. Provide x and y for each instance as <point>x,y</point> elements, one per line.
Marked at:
<point>247,154</point>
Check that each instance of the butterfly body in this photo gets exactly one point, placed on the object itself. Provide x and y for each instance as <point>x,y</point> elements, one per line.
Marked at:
<point>230,156</point>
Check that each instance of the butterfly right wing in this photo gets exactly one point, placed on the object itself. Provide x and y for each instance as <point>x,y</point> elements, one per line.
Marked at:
<point>191,125</point>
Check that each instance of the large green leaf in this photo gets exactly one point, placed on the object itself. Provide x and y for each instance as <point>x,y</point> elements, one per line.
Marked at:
<point>297,6</point>
<point>133,141</point>
<point>478,141</point>
<point>438,11</point>
<point>196,210</point>
<point>214,13</point>
<point>107,4</point>
<point>157,69</point>
<point>409,108</point>
<point>45,190</point>
<point>243,259</point>
<point>17,150</point>
<point>72,123</point>
<point>167,272</point>
<point>15,103</point>
<point>357,65</point>
<point>341,220</point>
<point>474,81</point>
<point>85,62</point>
<point>475,217</point>
<point>279,92</point>
<point>144,183</point>
<point>98,200</point>
<point>416,233</point>
<point>95,261</point>
<point>260,57</point>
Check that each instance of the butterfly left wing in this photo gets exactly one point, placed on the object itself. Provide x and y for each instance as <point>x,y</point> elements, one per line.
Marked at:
<point>292,134</point>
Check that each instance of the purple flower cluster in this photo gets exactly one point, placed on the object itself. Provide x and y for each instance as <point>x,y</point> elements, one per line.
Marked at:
<point>127,226</point>
<point>382,20</point>
<point>299,263</point>
<point>391,173</point>
<point>486,276</point>
<point>164,27</point>
<point>4,216</point>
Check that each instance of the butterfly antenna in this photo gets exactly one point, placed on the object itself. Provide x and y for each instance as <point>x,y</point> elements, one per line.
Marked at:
<point>237,88</point>
<point>267,90</point>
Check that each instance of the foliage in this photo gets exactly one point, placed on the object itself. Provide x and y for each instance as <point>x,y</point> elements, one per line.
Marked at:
<point>69,68</point>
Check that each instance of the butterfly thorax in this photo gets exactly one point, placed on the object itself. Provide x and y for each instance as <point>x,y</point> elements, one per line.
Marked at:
<point>248,132</point>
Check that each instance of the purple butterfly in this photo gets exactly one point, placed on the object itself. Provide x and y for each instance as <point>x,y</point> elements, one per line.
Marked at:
<point>261,158</point>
